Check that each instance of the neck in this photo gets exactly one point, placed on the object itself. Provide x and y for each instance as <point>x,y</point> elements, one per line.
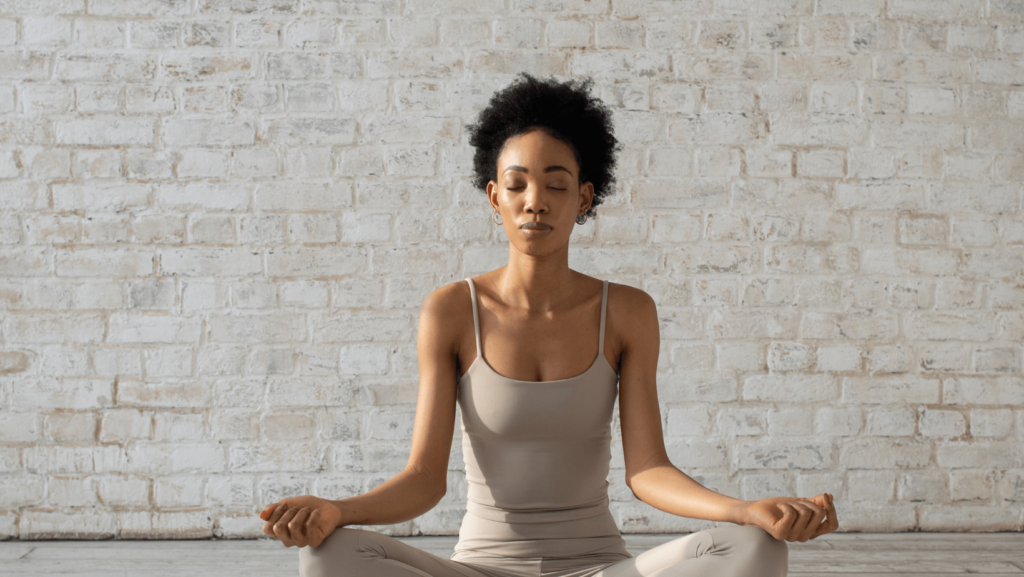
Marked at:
<point>536,283</point>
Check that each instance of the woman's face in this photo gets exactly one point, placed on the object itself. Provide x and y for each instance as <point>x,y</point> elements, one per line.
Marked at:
<point>537,192</point>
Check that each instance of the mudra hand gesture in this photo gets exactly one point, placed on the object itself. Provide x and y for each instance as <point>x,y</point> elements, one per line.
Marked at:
<point>794,518</point>
<point>301,521</point>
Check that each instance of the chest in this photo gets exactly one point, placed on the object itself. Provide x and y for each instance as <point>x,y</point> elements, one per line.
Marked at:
<point>535,348</point>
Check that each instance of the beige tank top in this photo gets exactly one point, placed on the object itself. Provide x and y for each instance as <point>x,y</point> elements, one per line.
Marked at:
<point>537,451</point>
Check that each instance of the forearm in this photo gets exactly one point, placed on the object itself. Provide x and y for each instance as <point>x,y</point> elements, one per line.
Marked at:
<point>668,489</point>
<point>405,496</point>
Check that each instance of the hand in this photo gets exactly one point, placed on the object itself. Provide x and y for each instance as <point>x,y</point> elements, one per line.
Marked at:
<point>301,521</point>
<point>794,518</point>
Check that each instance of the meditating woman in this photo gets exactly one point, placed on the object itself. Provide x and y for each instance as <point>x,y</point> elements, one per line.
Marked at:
<point>535,354</point>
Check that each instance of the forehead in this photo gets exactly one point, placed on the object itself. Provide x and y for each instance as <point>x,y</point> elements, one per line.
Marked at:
<point>537,148</point>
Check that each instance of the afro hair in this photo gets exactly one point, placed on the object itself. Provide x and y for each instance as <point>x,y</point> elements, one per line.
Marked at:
<point>566,110</point>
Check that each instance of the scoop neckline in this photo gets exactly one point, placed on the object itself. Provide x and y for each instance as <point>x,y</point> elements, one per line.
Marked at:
<point>479,357</point>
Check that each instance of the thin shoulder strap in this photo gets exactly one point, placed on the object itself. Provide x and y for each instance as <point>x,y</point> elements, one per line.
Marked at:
<point>476,317</point>
<point>604,306</point>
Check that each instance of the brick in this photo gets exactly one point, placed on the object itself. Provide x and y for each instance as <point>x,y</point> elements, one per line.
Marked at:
<point>123,492</point>
<point>884,454</point>
<point>151,328</point>
<point>308,261</point>
<point>20,427</point>
<point>997,423</point>
<point>180,525</point>
<point>105,34</point>
<point>125,425</point>
<point>203,163</point>
<point>193,261</point>
<point>312,131</point>
<point>1007,390</point>
<point>777,455</point>
<point>765,8</point>
<point>258,328</point>
<point>840,130</point>
<point>105,131</point>
<point>100,197</point>
<point>74,427</point>
<point>936,10</point>
<point>740,421</point>
<point>360,326</point>
<point>888,390</point>
<point>166,395</point>
<point>59,525</point>
<point>971,485</point>
<point>842,422</point>
<point>977,454</point>
<point>697,453</point>
<point>950,326</point>
<point>25,262</point>
<point>207,132</point>
<point>926,262</point>
<point>701,387</point>
<point>71,492</point>
<point>922,485</point>
<point>262,230</point>
<point>298,196</point>
<point>870,485</point>
<point>687,421</point>
<point>942,423</point>
<point>972,517</point>
<point>790,388</point>
<point>24,66</point>
<point>928,68</point>
<point>804,260</point>
<point>276,457</point>
<point>569,33</point>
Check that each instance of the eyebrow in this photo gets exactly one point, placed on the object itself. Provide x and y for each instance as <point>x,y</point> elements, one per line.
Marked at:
<point>546,170</point>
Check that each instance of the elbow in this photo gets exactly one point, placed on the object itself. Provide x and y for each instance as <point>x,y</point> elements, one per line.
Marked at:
<point>439,492</point>
<point>629,483</point>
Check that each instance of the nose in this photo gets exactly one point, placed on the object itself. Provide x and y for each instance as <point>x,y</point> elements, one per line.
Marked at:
<point>535,201</point>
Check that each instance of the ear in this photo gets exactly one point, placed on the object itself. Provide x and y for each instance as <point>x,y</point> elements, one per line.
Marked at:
<point>492,195</point>
<point>586,196</point>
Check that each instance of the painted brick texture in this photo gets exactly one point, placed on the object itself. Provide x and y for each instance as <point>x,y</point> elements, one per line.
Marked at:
<point>218,219</point>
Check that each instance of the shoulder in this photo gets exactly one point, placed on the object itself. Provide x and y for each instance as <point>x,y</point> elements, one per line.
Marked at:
<point>449,299</point>
<point>629,302</point>
<point>444,317</point>
<point>632,318</point>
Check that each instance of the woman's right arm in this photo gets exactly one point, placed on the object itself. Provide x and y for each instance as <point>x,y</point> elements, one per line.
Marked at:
<point>308,520</point>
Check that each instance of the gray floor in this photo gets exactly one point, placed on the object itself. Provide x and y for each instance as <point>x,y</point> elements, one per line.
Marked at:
<point>849,554</point>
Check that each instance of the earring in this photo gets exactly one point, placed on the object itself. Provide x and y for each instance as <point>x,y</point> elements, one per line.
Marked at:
<point>581,219</point>
<point>496,218</point>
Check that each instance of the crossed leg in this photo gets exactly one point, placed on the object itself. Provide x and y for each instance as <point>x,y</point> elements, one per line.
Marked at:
<point>728,551</point>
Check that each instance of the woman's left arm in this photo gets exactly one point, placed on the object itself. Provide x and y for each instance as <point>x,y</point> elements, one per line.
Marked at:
<point>651,475</point>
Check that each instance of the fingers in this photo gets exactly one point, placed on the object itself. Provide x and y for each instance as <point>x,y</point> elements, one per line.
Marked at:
<point>314,533</point>
<point>273,516</point>
<point>297,527</point>
<point>831,521</point>
<point>800,520</point>
<point>803,517</point>
<point>783,526</point>
<point>814,515</point>
<point>280,528</point>
<point>268,511</point>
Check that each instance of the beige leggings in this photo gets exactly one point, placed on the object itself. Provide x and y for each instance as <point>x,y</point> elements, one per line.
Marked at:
<point>728,551</point>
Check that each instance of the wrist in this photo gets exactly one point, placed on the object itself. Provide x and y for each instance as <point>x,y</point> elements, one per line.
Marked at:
<point>348,516</point>
<point>740,512</point>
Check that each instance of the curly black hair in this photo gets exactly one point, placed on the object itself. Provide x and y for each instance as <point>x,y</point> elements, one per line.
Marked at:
<point>566,110</point>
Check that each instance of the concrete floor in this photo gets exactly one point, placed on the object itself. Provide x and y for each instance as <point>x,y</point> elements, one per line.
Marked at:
<point>848,554</point>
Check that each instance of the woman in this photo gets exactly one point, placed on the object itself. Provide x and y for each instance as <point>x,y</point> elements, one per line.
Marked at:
<point>535,353</point>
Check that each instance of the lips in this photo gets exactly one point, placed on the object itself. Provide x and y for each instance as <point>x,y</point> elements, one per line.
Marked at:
<point>535,226</point>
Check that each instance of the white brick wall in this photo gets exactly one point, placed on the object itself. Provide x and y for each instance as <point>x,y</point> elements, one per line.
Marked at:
<point>218,219</point>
